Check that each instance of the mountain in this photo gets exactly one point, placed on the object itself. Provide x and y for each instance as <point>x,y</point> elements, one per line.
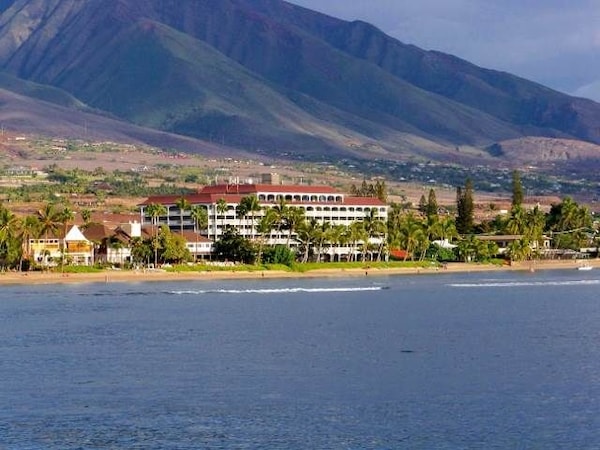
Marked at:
<point>275,78</point>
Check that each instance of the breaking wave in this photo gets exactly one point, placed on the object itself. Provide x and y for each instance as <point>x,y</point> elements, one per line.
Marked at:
<point>277,291</point>
<point>508,284</point>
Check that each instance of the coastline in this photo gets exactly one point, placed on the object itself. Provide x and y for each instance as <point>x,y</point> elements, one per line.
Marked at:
<point>130,276</point>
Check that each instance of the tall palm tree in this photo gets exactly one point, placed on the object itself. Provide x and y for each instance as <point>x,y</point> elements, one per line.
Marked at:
<point>292,220</point>
<point>307,233</point>
<point>66,216</point>
<point>199,215</point>
<point>264,228</point>
<point>8,232</point>
<point>183,205</point>
<point>86,215</point>
<point>155,211</point>
<point>241,212</point>
<point>375,228</point>
<point>252,206</point>
<point>28,229</point>
<point>280,211</point>
<point>221,209</point>
<point>50,220</point>
<point>356,235</point>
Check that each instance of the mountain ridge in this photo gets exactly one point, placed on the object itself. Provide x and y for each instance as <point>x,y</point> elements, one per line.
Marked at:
<point>275,78</point>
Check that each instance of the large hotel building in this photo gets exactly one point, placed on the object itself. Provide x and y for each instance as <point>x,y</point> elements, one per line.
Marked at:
<point>323,203</point>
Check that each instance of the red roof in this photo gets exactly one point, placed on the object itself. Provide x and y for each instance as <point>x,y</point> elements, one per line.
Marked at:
<point>275,188</point>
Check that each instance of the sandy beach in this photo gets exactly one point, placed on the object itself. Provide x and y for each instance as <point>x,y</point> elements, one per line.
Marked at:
<point>129,276</point>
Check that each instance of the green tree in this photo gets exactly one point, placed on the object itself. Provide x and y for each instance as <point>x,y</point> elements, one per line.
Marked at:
<point>517,189</point>
<point>29,227</point>
<point>10,248</point>
<point>50,220</point>
<point>294,216</point>
<point>155,211</point>
<point>233,247</point>
<point>252,206</point>
<point>173,247</point>
<point>221,209</point>
<point>183,205</point>
<point>465,208</point>
<point>431,209</point>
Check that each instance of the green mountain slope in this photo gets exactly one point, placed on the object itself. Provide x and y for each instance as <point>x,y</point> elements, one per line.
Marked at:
<point>274,78</point>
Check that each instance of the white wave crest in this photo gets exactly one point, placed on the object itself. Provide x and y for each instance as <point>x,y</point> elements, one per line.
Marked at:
<point>277,291</point>
<point>527,283</point>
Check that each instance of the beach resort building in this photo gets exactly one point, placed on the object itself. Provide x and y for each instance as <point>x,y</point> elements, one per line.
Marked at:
<point>222,201</point>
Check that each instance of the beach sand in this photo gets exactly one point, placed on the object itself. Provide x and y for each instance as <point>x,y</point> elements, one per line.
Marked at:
<point>130,276</point>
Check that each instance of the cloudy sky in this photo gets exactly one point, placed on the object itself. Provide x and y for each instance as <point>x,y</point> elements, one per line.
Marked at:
<point>553,42</point>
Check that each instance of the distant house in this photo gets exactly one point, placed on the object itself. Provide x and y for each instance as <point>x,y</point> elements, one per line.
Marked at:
<point>48,250</point>
<point>200,247</point>
<point>503,241</point>
<point>113,246</point>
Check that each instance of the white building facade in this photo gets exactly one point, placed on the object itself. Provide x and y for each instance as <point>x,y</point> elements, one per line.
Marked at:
<point>322,203</point>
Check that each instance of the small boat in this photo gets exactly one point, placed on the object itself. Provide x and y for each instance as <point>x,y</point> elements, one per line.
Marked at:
<point>585,266</point>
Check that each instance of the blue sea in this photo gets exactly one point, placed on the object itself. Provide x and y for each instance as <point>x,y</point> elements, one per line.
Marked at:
<point>499,360</point>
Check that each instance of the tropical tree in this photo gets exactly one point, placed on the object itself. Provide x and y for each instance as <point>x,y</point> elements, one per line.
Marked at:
<point>280,210</point>
<point>356,235</point>
<point>86,215</point>
<point>233,247</point>
<point>431,208</point>
<point>265,227</point>
<point>294,216</point>
<point>252,206</point>
<point>28,229</point>
<point>517,189</point>
<point>155,211</point>
<point>67,215</point>
<point>9,244</point>
<point>221,209</point>
<point>49,219</point>
<point>465,208</point>
<point>183,205</point>
<point>199,215</point>
<point>411,235</point>
<point>306,237</point>
<point>569,224</point>
<point>173,247</point>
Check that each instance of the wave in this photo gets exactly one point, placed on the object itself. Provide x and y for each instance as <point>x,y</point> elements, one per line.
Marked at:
<point>527,283</point>
<point>277,291</point>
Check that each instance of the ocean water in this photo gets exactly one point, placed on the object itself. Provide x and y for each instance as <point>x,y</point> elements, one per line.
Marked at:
<point>469,361</point>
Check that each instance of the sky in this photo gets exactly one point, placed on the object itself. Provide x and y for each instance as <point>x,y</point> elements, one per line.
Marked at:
<point>552,42</point>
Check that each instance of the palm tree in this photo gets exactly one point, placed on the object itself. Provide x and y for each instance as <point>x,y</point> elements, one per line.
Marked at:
<point>8,227</point>
<point>375,228</point>
<point>199,215</point>
<point>307,234</point>
<point>155,211</point>
<point>280,211</point>
<point>66,216</point>
<point>252,206</point>
<point>321,237</point>
<point>183,205</point>
<point>221,209</point>
<point>411,235</point>
<point>292,220</point>
<point>86,215</point>
<point>28,229</point>
<point>356,235</point>
<point>265,227</point>
<point>50,220</point>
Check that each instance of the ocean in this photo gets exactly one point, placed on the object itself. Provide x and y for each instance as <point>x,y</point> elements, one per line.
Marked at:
<point>507,360</point>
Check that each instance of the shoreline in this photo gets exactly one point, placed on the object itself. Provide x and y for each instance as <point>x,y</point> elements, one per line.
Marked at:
<point>127,276</point>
